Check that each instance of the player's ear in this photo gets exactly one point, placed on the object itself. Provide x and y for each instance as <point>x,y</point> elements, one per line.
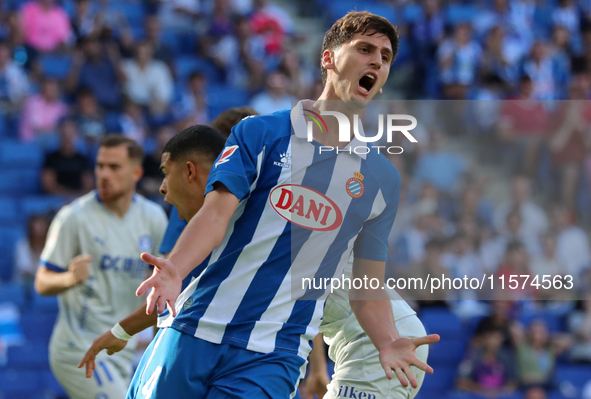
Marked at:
<point>138,172</point>
<point>328,59</point>
<point>190,170</point>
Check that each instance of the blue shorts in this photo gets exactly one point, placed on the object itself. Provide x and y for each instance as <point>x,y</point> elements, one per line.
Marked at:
<point>178,365</point>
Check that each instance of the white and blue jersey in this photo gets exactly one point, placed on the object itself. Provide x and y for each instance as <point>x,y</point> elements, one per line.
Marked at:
<point>301,214</point>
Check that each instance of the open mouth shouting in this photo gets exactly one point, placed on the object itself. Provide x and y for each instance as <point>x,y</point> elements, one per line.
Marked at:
<point>367,82</point>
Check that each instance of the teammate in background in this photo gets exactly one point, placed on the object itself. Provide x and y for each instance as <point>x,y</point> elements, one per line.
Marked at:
<point>195,148</point>
<point>253,240</point>
<point>91,261</point>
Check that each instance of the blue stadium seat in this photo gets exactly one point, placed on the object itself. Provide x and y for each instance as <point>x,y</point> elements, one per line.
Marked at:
<point>185,65</point>
<point>13,381</point>
<point>19,181</point>
<point>112,123</point>
<point>52,386</point>
<point>32,356</point>
<point>37,327</point>
<point>553,322</point>
<point>56,65</point>
<point>15,154</point>
<point>221,98</point>
<point>12,292</point>
<point>171,39</point>
<point>8,239</point>
<point>39,205</point>
<point>441,380</point>
<point>9,211</point>
<point>45,303</point>
<point>460,13</point>
<point>442,322</point>
<point>447,352</point>
<point>133,11</point>
<point>578,375</point>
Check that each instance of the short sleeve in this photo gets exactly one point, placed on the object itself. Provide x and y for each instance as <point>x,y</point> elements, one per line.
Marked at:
<point>62,241</point>
<point>236,166</point>
<point>173,231</point>
<point>372,241</point>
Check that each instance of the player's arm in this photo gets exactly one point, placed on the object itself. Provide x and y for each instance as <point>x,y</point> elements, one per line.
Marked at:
<point>373,310</point>
<point>201,236</point>
<point>49,282</point>
<point>133,324</point>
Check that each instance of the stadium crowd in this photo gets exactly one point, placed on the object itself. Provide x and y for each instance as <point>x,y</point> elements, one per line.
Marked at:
<point>73,71</point>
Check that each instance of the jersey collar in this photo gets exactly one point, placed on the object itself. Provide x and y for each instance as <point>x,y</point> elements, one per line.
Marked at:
<point>299,126</point>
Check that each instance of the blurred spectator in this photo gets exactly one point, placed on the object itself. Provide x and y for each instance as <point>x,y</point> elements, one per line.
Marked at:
<point>560,53</point>
<point>28,250</point>
<point>540,68</point>
<point>86,21</point>
<point>567,15</point>
<point>579,325</point>
<point>548,263</point>
<point>536,355</point>
<point>458,61</point>
<point>493,251</point>
<point>241,56</point>
<point>46,25</point>
<point>154,35</point>
<point>500,55</point>
<point>226,120</point>
<point>149,185</point>
<point>502,318</point>
<point>97,69</point>
<point>535,393</point>
<point>534,220</point>
<point>568,141</point>
<point>148,82</point>
<point>192,108</point>
<point>275,97</point>
<point>524,124</point>
<point>572,242</point>
<point>41,112</point>
<point>221,18</point>
<point>429,264</point>
<point>461,261</point>
<point>15,35</point>
<point>14,84</point>
<point>442,168</point>
<point>179,14</point>
<point>489,369</point>
<point>65,171</point>
<point>473,205</point>
<point>298,77</point>
<point>91,123</point>
<point>132,122</point>
<point>515,273</point>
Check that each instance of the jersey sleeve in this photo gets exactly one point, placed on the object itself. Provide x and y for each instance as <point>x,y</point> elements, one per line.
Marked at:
<point>173,231</point>
<point>372,241</point>
<point>62,242</point>
<point>236,166</point>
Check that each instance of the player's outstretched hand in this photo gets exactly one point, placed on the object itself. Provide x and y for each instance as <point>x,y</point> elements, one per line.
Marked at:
<point>165,283</point>
<point>400,354</point>
<point>106,341</point>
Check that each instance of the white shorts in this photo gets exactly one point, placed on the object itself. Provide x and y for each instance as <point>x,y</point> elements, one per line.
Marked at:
<point>108,382</point>
<point>359,374</point>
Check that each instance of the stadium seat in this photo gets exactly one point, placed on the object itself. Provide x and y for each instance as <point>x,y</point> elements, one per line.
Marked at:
<point>185,65</point>
<point>9,236</point>
<point>133,11</point>
<point>441,380</point>
<point>221,98</point>
<point>56,65</point>
<point>19,181</point>
<point>553,322</point>
<point>13,293</point>
<point>442,322</point>
<point>9,211</point>
<point>19,381</point>
<point>15,154</point>
<point>45,303</point>
<point>578,375</point>
<point>460,13</point>
<point>447,352</point>
<point>37,327</point>
<point>51,386</point>
<point>32,356</point>
<point>39,205</point>
<point>171,39</point>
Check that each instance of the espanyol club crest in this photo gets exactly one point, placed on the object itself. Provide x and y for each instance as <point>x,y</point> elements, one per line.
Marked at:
<point>355,185</point>
<point>145,244</point>
<point>226,154</point>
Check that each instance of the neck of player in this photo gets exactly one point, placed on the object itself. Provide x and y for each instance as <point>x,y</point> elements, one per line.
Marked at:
<point>119,205</point>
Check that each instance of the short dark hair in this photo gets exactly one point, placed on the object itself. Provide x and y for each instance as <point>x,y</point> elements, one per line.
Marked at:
<point>230,117</point>
<point>134,150</point>
<point>358,22</point>
<point>196,140</point>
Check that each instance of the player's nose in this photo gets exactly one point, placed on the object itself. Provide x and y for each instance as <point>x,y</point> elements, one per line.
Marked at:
<point>163,188</point>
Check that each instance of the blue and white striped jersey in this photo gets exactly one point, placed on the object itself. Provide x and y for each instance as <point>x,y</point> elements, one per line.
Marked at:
<point>301,213</point>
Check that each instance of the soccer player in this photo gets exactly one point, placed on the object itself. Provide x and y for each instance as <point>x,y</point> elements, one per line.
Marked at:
<point>276,211</point>
<point>91,261</point>
<point>186,162</point>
